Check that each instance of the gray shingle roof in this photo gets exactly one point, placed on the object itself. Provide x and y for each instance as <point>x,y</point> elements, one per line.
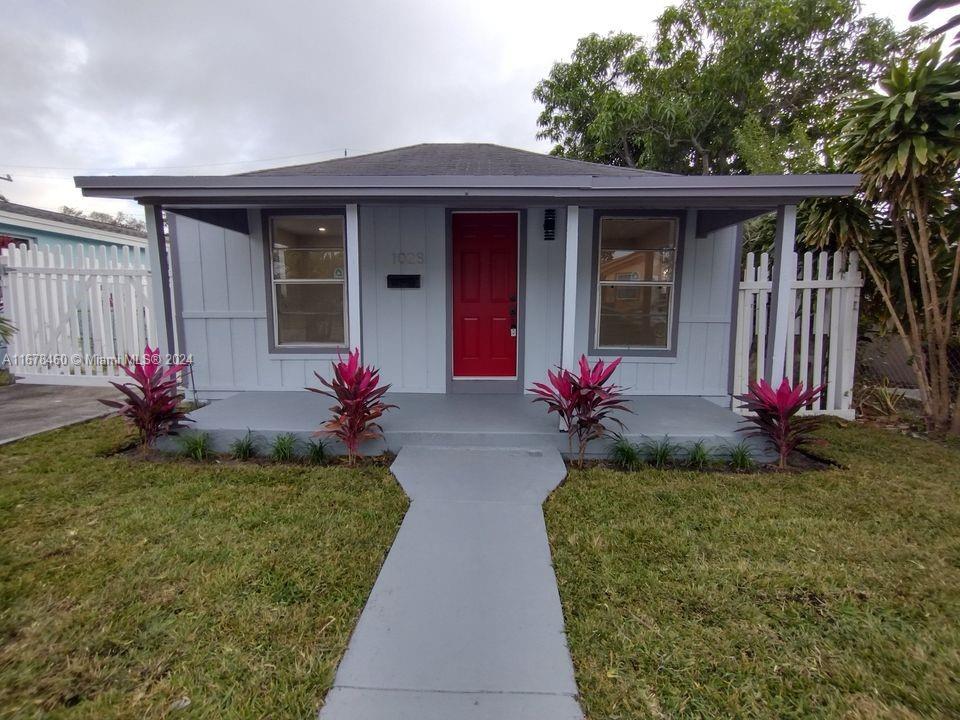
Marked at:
<point>70,219</point>
<point>461,159</point>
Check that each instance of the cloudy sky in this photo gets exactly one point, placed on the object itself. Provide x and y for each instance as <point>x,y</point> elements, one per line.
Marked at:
<point>200,86</point>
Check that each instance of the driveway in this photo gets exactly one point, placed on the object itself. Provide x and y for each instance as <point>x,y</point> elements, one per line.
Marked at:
<point>30,409</point>
<point>464,621</point>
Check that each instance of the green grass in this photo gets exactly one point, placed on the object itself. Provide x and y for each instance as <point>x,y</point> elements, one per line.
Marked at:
<point>832,594</point>
<point>128,585</point>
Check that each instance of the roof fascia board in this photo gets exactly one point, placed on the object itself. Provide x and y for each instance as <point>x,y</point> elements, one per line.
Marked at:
<point>76,231</point>
<point>835,182</point>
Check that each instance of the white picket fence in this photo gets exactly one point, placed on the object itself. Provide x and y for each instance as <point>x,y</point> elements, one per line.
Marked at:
<point>77,311</point>
<point>822,342</point>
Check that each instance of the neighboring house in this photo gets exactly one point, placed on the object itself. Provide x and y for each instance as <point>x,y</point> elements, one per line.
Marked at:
<point>25,226</point>
<point>461,268</point>
<point>22,226</point>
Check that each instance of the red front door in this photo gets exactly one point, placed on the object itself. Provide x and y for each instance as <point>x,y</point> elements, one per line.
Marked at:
<point>485,295</point>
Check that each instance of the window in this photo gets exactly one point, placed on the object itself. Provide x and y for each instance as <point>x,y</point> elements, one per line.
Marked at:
<point>308,266</point>
<point>636,265</point>
<point>17,241</point>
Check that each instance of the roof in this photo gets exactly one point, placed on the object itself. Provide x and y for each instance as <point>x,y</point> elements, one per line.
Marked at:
<point>474,173</point>
<point>460,159</point>
<point>40,214</point>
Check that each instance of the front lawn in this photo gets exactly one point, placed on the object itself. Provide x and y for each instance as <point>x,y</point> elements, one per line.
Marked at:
<point>142,590</point>
<point>822,594</point>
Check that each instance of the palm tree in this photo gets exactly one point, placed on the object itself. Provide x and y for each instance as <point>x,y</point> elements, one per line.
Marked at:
<point>904,139</point>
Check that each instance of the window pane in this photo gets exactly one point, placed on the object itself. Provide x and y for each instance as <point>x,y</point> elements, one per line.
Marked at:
<point>308,248</point>
<point>634,316</point>
<point>637,249</point>
<point>309,313</point>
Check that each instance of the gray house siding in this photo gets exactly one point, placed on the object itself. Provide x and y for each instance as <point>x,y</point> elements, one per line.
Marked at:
<point>222,306</point>
<point>544,301</point>
<point>404,331</point>
<point>223,312</point>
<point>701,365</point>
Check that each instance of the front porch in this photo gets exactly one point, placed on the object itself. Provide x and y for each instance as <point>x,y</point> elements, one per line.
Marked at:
<point>467,420</point>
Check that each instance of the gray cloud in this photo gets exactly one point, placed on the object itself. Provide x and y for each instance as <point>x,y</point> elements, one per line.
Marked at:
<point>137,85</point>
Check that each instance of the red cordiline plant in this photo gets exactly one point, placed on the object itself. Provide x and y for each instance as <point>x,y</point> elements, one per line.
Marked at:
<point>359,394</point>
<point>153,400</point>
<point>774,415</point>
<point>584,401</point>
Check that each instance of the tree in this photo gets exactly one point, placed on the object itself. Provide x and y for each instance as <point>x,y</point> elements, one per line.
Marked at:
<point>719,78</point>
<point>925,7</point>
<point>121,219</point>
<point>905,141</point>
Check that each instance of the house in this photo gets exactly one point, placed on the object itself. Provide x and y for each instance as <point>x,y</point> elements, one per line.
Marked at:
<point>25,226</point>
<point>59,238</point>
<point>462,271</point>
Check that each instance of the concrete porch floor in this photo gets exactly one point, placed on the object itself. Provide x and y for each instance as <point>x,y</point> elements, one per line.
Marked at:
<point>463,420</point>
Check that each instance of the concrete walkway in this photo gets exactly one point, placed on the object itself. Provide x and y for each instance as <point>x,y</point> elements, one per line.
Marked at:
<point>27,409</point>
<point>464,621</point>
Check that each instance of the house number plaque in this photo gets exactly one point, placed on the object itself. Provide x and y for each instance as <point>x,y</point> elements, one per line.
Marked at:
<point>408,258</point>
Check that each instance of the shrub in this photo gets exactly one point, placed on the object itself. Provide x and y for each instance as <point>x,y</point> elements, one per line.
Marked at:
<point>880,400</point>
<point>774,415</point>
<point>359,398</point>
<point>196,446</point>
<point>152,404</point>
<point>317,452</point>
<point>625,454</point>
<point>698,456</point>
<point>741,457</point>
<point>7,328</point>
<point>243,448</point>
<point>660,453</point>
<point>283,448</point>
<point>583,401</point>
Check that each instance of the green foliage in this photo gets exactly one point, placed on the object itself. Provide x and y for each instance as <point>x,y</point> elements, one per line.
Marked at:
<point>243,448</point>
<point>129,583</point>
<point>7,329</point>
<point>879,400</point>
<point>905,141</point>
<point>721,86</point>
<point>699,456</point>
<point>660,453</point>
<point>923,8</point>
<point>196,446</point>
<point>283,448</point>
<point>829,594</point>
<point>741,457</point>
<point>626,455</point>
<point>317,452</point>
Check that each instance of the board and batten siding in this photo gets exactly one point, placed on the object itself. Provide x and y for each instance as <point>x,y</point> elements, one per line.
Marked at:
<point>223,306</point>
<point>702,363</point>
<point>543,309</point>
<point>223,312</point>
<point>405,331</point>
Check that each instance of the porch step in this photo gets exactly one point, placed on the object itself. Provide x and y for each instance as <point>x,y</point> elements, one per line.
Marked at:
<point>461,421</point>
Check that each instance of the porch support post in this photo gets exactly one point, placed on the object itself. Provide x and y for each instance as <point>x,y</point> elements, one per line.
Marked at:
<point>159,280</point>
<point>353,276</point>
<point>784,273</point>
<point>571,254</point>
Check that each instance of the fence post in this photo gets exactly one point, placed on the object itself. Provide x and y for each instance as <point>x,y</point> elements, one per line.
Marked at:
<point>6,373</point>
